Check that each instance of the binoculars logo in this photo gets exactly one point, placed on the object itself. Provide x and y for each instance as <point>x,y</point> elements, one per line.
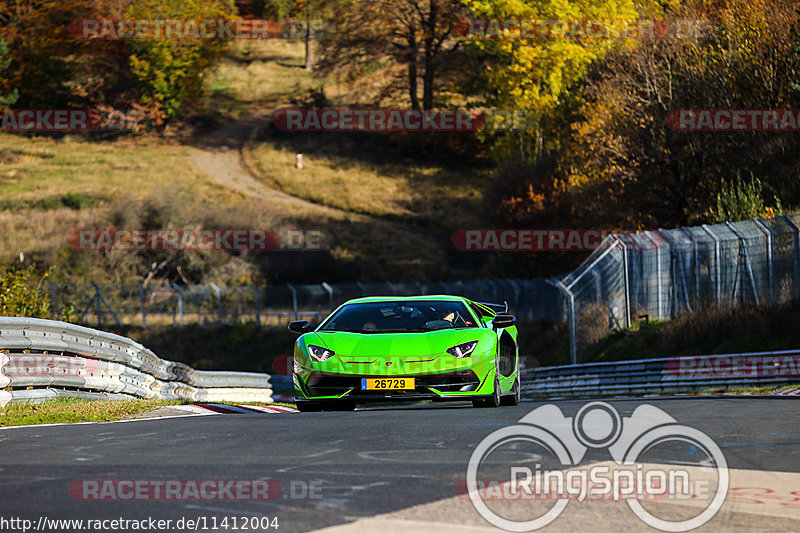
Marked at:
<point>598,425</point>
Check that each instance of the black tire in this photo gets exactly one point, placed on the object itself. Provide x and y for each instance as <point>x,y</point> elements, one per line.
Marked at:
<point>493,400</point>
<point>514,399</point>
<point>308,407</point>
<point>320,405</point>
<point>339,406</point>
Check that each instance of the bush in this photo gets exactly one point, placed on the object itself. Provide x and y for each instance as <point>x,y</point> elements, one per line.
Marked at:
<point>742,201</point>
<point>22,294</point>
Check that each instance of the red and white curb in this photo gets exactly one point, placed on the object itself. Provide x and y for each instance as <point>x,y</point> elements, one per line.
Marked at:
<point>218,408</point>
<point>788,392</point>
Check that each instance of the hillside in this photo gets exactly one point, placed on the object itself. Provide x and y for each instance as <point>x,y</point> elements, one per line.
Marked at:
<point>387,212</point>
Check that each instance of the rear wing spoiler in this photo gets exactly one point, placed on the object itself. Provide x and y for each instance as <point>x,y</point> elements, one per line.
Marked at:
<point>498,308</point>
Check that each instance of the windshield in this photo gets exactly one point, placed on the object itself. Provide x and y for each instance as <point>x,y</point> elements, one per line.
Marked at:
<point>400,316</point>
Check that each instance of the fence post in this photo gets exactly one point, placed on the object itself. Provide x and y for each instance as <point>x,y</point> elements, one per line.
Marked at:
<point>219,301</point>
<point>516,295</point>
<point>52,290</point>
<point>180,302</point>
<point>143,304</point>
<point>717,265</point>
<point>625,281</point>
<point>362,287</point>
<point>745,253</point>
<point>573,348</point>
<point>658,274</point>
<point>770,266</point>
<point>258,305</point>
<point>294,300</point>
<point>329,290</point>
<point>97,303</point>
<point>796,255</point>
<point>695,265</point>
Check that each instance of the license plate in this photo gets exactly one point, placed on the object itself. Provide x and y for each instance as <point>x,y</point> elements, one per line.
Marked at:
<point>387,384</point>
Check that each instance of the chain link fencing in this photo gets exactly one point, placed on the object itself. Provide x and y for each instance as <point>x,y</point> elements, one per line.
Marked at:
<point>657,274</point>
<point>178,305</point>
<point>661,274</point>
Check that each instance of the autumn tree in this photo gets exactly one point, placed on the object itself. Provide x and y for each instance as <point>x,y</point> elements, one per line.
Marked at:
<point>627,166</point>
<point>313,14</point>
<point>53,68</point>
<point>417,35</point>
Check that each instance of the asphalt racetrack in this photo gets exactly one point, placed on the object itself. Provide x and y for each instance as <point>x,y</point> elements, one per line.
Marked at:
<point>349,469</point>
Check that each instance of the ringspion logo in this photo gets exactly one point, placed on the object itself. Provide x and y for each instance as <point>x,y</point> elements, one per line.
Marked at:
<point>597,425</point>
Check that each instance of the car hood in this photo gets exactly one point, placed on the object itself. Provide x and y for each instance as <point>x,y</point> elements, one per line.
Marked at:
<point>393,344</point>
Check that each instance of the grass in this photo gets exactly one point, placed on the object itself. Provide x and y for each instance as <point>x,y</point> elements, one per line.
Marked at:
<point>60,184</point>
<point>255,74</point>
<point>749,328</point>
<point>393,210</point>
<point>72,410</point>
<point>750,390</point>
<point>359,174</point>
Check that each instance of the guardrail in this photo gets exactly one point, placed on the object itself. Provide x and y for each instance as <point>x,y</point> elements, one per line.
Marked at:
<point>42,359</point>
<point>680,374</point>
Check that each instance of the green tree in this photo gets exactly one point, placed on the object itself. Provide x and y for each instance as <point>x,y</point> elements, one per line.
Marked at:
<point>742,201</point>
<point>5,61</point>
<point>171,72</point>
<point>538,75</point>
<point>22,294</point>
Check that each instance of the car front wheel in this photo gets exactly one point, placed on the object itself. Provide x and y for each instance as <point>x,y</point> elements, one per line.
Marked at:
<point>494,399</point>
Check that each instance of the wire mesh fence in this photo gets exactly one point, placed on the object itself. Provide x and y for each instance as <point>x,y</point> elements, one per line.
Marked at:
<point>656,274</point>
<point>661,274</point>
<point>172,304</point>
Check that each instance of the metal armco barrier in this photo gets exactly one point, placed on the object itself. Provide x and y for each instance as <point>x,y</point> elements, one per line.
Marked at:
<point>680,374</point>
<point>42,359</point>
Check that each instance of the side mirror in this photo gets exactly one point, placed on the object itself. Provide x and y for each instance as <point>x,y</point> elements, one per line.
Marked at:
<point>504,321</point>
<point>300,326</point>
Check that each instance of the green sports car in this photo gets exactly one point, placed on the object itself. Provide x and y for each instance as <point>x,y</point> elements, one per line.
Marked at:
<point>437,348</point>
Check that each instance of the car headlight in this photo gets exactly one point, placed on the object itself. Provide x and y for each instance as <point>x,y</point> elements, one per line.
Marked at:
<point>462,350</point>
<point>319,353</point>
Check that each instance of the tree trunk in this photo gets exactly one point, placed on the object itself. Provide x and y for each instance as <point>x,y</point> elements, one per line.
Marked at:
<point>412,84</point>
<point>430,69</point>
<point>309,43</point>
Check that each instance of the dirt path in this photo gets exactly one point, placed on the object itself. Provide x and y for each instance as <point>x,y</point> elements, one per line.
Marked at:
<point>219,154</point>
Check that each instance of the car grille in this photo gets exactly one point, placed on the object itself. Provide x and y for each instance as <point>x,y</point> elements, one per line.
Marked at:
<point>334,385</point>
